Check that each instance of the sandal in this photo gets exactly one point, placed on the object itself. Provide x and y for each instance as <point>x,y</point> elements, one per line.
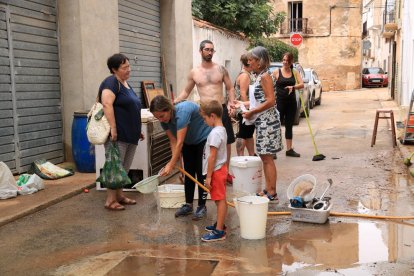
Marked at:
<point>127,201</point>
<point>262,193</point>
<point>273,198</point>
<point>115,206</point>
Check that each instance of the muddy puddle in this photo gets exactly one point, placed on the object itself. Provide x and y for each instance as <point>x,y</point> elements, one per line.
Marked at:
<point>338,246</point>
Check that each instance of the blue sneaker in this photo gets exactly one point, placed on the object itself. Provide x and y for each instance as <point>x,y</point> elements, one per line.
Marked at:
<point>213,227</point>
<point>185,210</point>
<point>215,235</point>
<point>200,213</point>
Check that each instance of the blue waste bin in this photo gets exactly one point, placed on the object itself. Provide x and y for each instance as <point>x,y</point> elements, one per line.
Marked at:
<point>83,152</point>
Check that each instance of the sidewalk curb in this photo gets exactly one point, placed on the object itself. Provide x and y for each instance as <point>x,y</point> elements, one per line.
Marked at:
<point>6,220</point>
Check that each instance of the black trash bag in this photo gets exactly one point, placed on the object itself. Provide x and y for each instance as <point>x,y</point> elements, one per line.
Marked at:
<point>113,175</point>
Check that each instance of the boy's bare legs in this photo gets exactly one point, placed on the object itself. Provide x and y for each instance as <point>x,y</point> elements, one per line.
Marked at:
<point>221,213</point>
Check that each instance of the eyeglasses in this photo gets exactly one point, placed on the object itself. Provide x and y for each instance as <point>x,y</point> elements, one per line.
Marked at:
<point>209,50</point>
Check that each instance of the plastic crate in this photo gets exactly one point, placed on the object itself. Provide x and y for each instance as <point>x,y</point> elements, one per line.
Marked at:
<point>310,215</point>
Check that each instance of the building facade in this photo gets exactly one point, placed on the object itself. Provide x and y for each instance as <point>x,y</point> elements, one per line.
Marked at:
<point>331,31</point>
<point>53,57</point>
<point>405,81</point>
<point>381,39</point>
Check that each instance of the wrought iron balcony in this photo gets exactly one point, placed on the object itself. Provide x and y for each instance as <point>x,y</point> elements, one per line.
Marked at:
<point>295,25</point>
<point>389,20</point>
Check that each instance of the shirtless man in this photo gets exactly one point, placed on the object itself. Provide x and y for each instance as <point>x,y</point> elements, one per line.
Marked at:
<point>209,78</point>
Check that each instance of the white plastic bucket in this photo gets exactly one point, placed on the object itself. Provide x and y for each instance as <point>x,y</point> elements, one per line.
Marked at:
<point>171,195</point>
<point>252,211</point>
<point>247,173</point>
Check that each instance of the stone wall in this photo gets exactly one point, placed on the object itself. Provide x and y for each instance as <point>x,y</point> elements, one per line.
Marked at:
<point>332,42</point>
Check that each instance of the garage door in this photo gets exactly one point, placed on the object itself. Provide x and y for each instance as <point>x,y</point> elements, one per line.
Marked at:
<point>140,40</point>
<point>30,101</point>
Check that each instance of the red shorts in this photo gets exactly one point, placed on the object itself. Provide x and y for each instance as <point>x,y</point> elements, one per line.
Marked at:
<point>218,183</point>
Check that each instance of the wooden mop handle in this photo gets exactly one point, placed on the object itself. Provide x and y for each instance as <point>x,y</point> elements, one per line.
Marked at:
<point>370,216</point>
<point>194,180</point>
<point>199,184</point>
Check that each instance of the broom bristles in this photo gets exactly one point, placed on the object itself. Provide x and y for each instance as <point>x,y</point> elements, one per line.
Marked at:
<point>318,157</point>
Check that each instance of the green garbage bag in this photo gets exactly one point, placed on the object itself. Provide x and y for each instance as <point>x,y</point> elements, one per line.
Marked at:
<point>113,175</point>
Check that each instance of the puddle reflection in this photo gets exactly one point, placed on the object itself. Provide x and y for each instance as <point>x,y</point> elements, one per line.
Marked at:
<point>399,202</point>
<point>336,245</point>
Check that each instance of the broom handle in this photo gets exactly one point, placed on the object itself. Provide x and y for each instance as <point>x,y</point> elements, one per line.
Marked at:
<point>307,121</point>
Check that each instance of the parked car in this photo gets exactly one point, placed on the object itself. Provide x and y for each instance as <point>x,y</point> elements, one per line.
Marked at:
<point>374,76</point>
<point>304,92</point>
<point>315,87</point>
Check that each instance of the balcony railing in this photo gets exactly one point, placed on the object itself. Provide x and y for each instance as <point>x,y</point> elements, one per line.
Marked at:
<point>295,25</point>
<point>389,17</point>
<point>390,23</point>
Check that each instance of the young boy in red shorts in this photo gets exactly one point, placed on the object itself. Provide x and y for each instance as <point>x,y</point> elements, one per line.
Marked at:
<point>214,167</point>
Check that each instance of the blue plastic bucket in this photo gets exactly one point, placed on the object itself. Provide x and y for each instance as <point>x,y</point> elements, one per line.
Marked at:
<point>83,152</point>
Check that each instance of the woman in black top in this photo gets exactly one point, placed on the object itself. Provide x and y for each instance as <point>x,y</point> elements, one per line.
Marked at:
<point>287,80</point>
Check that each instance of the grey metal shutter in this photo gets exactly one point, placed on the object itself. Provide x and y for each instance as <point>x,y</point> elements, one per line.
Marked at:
<point>30,100</point>
<point>7,147</point>
<point>140,40</point>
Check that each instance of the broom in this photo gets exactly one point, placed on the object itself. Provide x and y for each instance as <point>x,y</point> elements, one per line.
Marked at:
<point>318,156</point>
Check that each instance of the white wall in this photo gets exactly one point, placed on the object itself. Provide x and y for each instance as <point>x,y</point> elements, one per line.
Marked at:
<point>176,24</point>
<point>407,53</point>
<point>228,48</point>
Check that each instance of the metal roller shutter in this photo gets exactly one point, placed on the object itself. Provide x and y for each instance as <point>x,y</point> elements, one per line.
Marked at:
<point>7,147</point>
<point>140,40</point>
<point>30,100</point>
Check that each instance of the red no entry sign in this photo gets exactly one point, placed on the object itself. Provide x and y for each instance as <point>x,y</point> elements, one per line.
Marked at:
<point>296,39</point>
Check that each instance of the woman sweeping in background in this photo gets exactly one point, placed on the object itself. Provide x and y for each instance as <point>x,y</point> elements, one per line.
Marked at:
<point>287,81</point>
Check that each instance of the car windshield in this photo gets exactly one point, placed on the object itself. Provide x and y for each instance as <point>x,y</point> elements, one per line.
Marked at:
<point>375,71</point>
<point>273,67</point>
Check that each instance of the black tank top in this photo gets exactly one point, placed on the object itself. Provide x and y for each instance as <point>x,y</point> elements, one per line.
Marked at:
<point>281,83</point>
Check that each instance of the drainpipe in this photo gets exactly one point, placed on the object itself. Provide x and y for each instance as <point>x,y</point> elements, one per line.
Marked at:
<point>331,7</point>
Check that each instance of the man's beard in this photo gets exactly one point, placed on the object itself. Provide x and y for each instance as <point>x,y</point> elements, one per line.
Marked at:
<point>207,58</point>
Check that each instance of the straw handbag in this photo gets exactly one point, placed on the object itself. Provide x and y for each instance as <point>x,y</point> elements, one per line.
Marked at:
<point>98,127</point>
